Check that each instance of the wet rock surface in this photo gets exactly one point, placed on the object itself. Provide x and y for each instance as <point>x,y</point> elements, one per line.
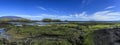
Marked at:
<point>107,36</point>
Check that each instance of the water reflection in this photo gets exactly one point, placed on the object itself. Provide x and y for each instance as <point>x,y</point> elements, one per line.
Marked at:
<point>3,33</point>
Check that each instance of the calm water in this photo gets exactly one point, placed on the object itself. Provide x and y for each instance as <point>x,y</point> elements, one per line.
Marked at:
<point>45,23</point>
<point>37,23</point>
<point>3,33</point>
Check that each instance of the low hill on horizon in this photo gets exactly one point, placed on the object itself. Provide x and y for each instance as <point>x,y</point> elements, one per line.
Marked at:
<point>13,18</point>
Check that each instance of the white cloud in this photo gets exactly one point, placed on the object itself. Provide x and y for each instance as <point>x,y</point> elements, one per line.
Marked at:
<point>97,16</point>
<point>100,16</point>
<point>86,2</point>
<point>110,7</point>
<point>42,8</point>
<point>48,9</point>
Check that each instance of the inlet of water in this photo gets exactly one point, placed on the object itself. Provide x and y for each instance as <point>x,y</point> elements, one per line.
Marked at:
<point>3,34</point>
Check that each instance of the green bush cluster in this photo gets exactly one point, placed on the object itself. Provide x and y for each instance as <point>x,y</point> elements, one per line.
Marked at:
<point>67,35</point>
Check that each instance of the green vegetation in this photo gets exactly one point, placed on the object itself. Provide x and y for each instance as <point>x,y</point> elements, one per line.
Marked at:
<point>51,20</point>
<point>88,28</point>
<point>55,34</point>
<point>32,31</point>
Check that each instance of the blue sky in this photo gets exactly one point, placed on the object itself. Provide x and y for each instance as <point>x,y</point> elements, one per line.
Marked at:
<point>76,10</point>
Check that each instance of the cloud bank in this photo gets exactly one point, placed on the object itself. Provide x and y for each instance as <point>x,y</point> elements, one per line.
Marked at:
<point>97,16</point>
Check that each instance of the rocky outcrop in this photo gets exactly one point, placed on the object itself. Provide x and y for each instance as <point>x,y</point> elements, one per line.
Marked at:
<point>107,37</point>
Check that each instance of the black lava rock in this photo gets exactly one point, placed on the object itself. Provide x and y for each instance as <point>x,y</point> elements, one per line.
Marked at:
<point>107,36</point>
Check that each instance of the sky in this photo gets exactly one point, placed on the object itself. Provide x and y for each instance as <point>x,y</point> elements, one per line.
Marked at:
<point>74,10</point>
